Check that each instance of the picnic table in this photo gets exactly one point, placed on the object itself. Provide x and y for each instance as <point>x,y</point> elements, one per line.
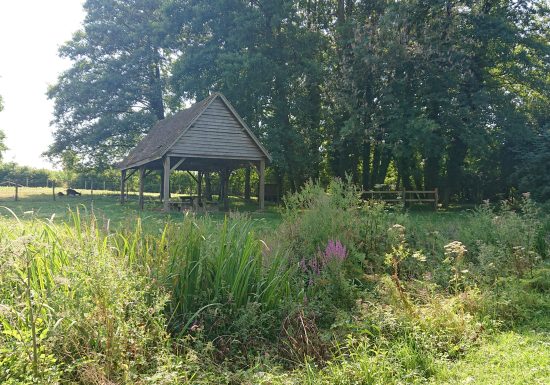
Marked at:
<point>189,202</point>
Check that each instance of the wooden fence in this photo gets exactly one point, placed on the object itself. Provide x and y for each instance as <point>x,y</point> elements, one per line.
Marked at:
<point>13,184</point>
<point>404,196</point>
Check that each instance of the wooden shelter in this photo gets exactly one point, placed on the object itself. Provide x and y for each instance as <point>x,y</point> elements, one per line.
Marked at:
<point>209,136</point>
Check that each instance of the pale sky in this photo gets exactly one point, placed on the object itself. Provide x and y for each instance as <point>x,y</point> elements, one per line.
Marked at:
<point>31,32</point>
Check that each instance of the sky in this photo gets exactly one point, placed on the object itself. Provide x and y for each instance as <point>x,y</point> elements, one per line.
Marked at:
<point>31,31</point>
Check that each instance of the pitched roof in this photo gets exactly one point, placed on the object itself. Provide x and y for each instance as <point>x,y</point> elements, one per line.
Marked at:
<point>167,131</point>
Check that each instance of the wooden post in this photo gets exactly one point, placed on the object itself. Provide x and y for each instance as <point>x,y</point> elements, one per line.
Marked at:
<point>207,186</point>
<point>16,193</point>
<point>436,198</point>
<point>261,193</point>
<point>166,184</point>
<point>122,182</point>
<point>226,189</point>
<point>53,189</point>
<point>247,184</point>
<point>161,185</point>
<point>199,188</point>
<point>141,184</point>
<point>220,194</point>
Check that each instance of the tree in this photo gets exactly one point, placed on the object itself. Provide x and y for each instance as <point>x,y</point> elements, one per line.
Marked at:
<point>430,89</point>
<point>419,94</point>
<point>114,91</point>
<point>264,57</point>
<point>3,146</point>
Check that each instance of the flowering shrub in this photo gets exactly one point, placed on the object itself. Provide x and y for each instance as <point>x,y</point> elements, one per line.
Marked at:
<point>334,251</point>
<point>329,288</point>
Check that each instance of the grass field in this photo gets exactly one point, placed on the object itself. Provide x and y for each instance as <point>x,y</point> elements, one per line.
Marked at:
<point>39,203</point>
<point>106,294</point>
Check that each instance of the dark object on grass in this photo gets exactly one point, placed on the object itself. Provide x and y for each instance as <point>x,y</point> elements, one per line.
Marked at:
<point>60,194</point>
<point>71,192</point>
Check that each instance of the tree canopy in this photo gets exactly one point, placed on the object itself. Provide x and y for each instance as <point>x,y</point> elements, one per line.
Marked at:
<point>416,94</point>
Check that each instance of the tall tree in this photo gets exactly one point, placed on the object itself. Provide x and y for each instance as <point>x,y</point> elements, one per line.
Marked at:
<point>264,56</point>
<point>421,88</point>
<point>114,91</point>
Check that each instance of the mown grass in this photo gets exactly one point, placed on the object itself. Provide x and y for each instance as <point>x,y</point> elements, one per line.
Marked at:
<point>37,202</point>
<point>506,358</point>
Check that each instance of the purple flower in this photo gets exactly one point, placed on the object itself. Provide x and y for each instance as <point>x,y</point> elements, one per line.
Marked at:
<point>335,250</point>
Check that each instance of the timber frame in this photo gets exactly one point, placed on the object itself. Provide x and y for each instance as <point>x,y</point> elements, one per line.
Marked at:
<point>209,136</point>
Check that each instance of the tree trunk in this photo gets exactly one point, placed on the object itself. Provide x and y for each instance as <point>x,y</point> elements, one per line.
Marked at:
<point>366,180</point>
<point>156,96</point>
<point>431,171</point>
<point>457,154</point>
<point>386,157</point>
<point>341,15</point>
<point>376,164</point>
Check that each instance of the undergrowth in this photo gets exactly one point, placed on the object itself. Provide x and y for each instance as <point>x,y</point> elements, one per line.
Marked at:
<point>342,292</point>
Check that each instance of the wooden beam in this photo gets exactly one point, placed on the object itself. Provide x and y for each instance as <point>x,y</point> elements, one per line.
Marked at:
<point>141,185</point>
<point>122,182</point>
<point>166,184</point>
<point>177,164</point>
<point>193,176</point>
<point>261,193</point>
<point>129,175</point>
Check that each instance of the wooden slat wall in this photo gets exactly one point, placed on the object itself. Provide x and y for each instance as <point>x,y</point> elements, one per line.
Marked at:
<point>215,134</point>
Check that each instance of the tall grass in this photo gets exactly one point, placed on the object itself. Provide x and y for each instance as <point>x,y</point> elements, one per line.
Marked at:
<point>64,303</point>
<point>76,297</point>
<point>209,265</point>
<point>209,301</point>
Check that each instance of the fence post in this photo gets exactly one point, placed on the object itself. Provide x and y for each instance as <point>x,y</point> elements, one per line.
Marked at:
<point>436,198</point>
<point>16,193</point>
<point>53,189</point>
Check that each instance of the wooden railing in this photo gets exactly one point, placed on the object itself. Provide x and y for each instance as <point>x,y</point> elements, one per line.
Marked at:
<point>404,196</point>
<point>14,184</point>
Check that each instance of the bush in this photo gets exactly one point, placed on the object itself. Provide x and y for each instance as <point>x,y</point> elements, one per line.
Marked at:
<point>314,216</point>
